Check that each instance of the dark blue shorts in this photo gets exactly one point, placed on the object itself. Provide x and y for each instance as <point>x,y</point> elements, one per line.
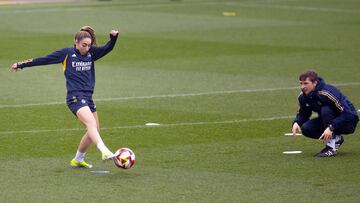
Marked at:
<point>77,100</point>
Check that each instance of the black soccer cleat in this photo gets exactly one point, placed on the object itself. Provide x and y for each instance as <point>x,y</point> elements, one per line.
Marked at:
<point>326,152</point>
<point>339,143</point>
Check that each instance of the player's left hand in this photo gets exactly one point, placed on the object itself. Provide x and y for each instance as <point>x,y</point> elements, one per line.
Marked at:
<point>327,135</point>
<point>114,32</point>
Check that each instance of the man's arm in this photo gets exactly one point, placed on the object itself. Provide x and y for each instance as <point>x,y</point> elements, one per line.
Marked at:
<point>335,99</point>
<point>304,112</point>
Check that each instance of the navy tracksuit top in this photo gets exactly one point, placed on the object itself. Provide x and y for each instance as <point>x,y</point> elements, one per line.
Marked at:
<point>326,95</point>
<point>79,70</point>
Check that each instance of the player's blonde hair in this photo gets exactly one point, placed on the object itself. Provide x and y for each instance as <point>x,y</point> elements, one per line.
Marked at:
<point>86,32</point>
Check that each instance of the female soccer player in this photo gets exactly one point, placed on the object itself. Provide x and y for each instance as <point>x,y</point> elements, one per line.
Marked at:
<point>79,70</point>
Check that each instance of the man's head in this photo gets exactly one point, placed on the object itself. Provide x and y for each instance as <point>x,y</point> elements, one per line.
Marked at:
<point>308,81</point>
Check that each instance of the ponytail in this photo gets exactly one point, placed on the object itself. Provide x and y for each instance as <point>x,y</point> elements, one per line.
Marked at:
<point>91,32</point>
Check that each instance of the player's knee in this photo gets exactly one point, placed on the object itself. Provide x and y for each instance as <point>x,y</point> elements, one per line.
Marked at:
<point>91,125</point>
<point>306,130</point>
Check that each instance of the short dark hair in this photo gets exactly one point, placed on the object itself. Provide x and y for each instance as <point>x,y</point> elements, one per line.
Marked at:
<point>312,75</point>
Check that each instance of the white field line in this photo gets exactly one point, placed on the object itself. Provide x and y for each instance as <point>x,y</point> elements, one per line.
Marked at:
<point>172,95</point>
<point>155,5</point>
<point>123,5</point>
<point>17,2</point>
<point>144,126</point>
<point>301,8</point>
<point>45,10</point>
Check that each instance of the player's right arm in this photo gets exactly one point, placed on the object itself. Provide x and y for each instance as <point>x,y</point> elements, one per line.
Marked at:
<point>53,58</point>
<point>302,115</point>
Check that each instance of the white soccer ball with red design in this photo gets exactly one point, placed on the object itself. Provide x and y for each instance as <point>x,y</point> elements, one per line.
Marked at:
<point>125,158</point>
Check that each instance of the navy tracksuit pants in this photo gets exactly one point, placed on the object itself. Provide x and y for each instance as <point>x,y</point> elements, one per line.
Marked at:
<point>314,128</point>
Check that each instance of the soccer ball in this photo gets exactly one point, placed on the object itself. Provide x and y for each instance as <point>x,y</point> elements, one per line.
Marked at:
<point>125,158</point>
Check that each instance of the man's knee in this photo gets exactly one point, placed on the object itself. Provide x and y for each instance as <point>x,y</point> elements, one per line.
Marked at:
<point>308,130</point>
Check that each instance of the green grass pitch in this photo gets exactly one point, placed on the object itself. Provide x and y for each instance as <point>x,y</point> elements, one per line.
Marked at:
<point>223,88</point>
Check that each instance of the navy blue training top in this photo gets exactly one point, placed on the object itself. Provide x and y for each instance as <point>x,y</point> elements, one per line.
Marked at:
<point>79,70</point>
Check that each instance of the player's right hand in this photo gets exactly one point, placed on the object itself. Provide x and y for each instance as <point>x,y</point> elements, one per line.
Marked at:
<point>296,129</point>
<point>14,68</point>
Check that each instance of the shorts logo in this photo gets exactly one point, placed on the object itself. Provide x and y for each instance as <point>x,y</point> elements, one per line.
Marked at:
<point>74,99</point>
<point>83,101</point>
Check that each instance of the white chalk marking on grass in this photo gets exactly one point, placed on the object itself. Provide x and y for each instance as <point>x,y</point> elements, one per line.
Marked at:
<point>48,10</point>
<point>29,105</point>
<point>290,134</point>
<point>302,8</point>
<point>359,110</point>
<point>152,124</point>
<point>100,172</point>
<point>292,152</point>
<point>173,95</point>
<point>143,126</point>
<point>45,10</point>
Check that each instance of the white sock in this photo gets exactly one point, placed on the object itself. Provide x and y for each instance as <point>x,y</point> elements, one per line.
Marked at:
<point>331,143</point>
<point>101,146</point>
<point>337,138</point>
<point>79,156</point>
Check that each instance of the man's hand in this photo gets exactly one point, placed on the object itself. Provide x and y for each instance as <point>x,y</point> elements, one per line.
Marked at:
<point>327,135</point>
<point>296,129</point>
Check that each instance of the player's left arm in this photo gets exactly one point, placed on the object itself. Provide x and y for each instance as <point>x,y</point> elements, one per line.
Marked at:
<point>100,51</point>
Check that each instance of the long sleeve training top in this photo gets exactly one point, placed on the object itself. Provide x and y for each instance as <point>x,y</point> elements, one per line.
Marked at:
<point>79,70</point>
